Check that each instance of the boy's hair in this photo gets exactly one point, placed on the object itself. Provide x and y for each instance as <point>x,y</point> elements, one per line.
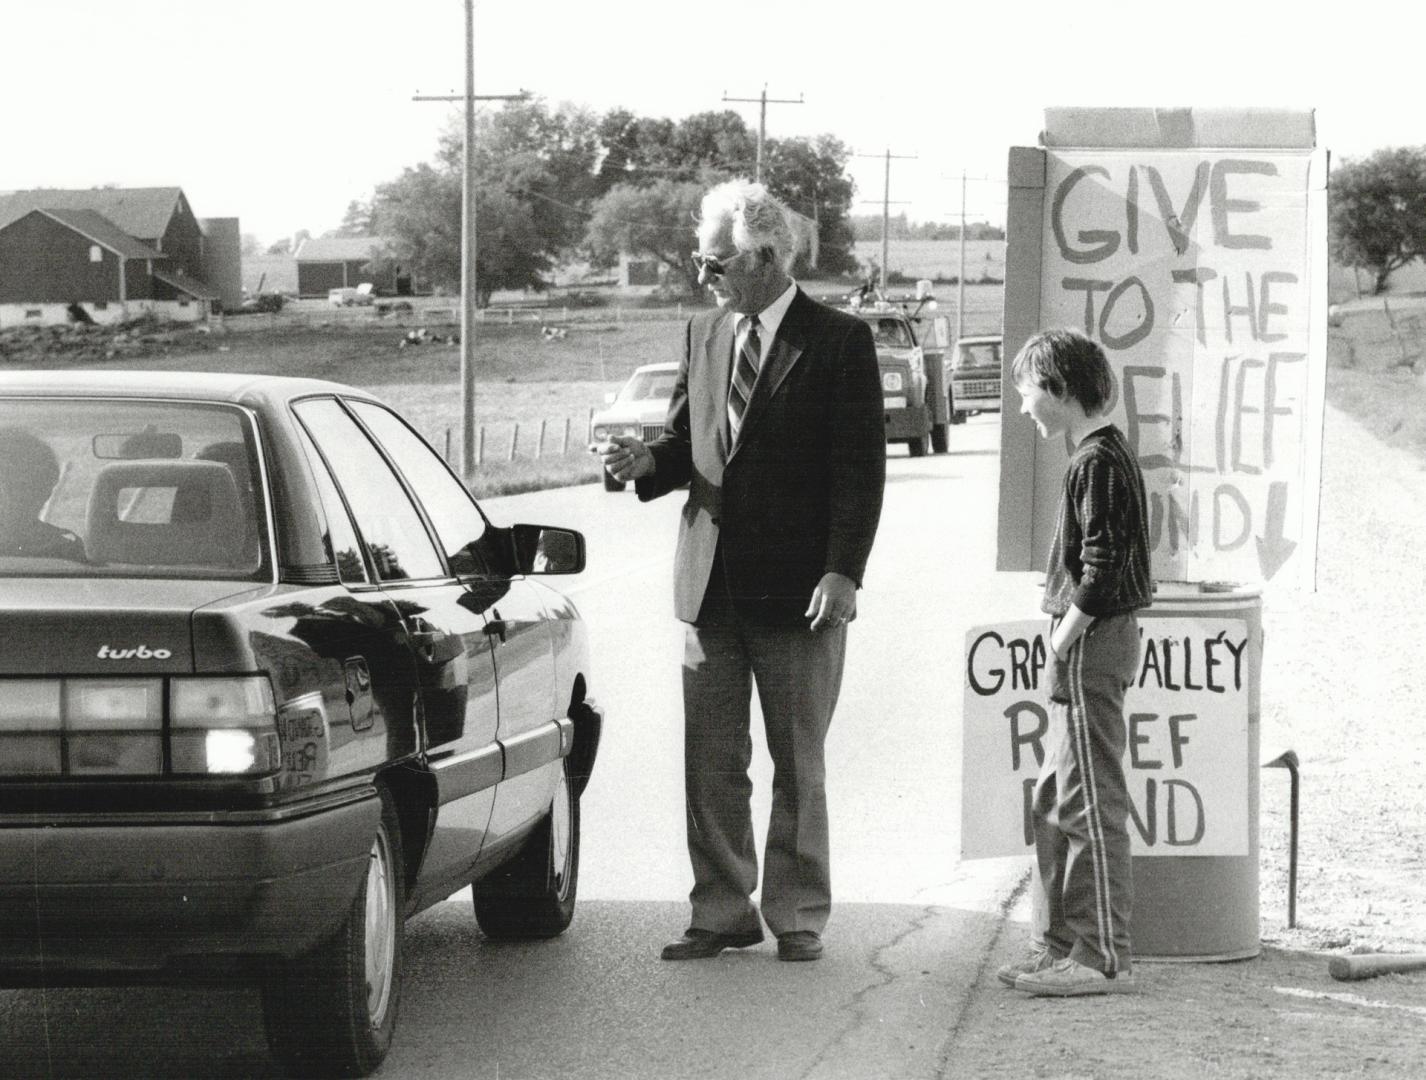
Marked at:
<point>1067,364</point>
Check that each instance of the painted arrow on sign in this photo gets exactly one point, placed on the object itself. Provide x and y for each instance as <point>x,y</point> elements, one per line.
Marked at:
<point>1274,549</point>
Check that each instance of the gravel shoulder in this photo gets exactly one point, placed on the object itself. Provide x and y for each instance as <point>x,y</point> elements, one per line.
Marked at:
<point>1342,686</point>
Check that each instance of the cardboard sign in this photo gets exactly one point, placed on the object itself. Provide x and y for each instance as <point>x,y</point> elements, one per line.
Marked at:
<point>1187,752</point>
<point>1200,270</point>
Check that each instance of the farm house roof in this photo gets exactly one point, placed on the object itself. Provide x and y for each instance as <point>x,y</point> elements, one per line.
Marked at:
<point>339,248</point>
<point>96,227</point>
<point>183,283</point>
<point>140,212</point>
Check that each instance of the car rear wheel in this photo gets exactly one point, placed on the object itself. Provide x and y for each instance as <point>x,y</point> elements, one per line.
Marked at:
<point>917,446</point>
<point>610,484</point>
<point>332,1012</point>
<point>533,895</point>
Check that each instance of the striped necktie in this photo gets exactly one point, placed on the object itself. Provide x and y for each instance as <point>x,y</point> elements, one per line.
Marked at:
<point>745,374</point>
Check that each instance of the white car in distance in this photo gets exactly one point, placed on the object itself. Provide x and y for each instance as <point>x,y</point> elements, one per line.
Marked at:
<point>638,409</point>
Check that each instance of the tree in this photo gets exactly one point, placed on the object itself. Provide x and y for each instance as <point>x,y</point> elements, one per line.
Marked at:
<point>534,172</point>
<point>358,220</point>
<point>545,158</point>
<point>651,220</point>
<point>810,176</point>
<point>1379,211</point>
<point>643,150</point>
<point>420,212</point>
<point>251,245</point>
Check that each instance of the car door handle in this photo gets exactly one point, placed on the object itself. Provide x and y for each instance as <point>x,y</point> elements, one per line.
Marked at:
<point>496,627</point>
<point>425,637</point>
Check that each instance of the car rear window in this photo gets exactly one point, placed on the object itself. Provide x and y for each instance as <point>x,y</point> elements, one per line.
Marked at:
<point>650,386</point>
<point>978,354</point>
<point>123,488</point>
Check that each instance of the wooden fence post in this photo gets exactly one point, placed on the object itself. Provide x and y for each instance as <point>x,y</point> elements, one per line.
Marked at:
<point>448,444</point>
<point>540,446</point>
<point>564,445</point>
<point>514,440</point>
<point>480,445</point>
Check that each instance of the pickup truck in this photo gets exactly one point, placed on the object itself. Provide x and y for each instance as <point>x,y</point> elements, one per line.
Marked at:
<point>910,354</point>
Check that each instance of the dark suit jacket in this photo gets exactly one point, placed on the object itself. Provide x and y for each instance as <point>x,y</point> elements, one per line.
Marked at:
<point>800,494</point>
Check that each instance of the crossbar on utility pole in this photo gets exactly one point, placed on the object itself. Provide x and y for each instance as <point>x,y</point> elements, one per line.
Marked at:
<point>961,275</point>
<point>886,208</point>
<point>468,245</point>
<point>763,101</point>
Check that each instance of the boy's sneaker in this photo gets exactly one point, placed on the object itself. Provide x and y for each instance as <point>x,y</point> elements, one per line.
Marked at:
<point>1037,960</point>
<point>1069,978</point>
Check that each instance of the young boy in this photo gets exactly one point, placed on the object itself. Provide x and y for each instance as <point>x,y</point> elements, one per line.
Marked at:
<point>1098,576</point>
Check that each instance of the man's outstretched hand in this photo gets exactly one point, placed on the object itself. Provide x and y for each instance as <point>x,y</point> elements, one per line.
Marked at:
<point>624,457</point>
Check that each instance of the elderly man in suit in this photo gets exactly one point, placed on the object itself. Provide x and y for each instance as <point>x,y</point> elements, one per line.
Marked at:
<point>776,427</point>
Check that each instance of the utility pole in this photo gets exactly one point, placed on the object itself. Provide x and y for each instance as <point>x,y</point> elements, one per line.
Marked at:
<point>468,245</point>
<point>961,276</point>
<point>763,100</point>
<point>886,209</point>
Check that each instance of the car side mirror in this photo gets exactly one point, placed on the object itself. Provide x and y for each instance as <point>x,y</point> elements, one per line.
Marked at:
<point>543,549</point>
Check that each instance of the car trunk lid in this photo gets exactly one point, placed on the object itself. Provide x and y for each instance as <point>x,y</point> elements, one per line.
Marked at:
<point>109,626</point>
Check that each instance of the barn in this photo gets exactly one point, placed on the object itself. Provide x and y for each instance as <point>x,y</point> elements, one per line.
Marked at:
<point>339,262</point>
<point>117,253</point>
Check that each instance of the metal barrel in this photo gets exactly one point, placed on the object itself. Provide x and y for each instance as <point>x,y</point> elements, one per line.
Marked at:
<point>1204,908</point>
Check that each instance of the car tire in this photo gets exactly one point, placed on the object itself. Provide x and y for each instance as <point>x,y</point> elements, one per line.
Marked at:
<point>940,439</point>
<point>533,895</point>
<point>332,1011</point>
<point>610,484</point>
<point>917,446</point>
<point>957,416</point>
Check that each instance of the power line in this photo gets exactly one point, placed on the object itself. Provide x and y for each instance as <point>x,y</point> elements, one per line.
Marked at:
<point>468,241</point>
<point>763,99</point>
<point>886,208</point>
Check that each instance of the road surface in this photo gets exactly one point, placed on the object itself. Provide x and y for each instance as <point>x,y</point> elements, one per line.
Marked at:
<point>910,925</point>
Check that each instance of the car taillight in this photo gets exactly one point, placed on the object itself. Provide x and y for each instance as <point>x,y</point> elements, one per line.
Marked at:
<point>30,727</point>
<point>85,726</point>
<point>113,726</point>
<point>223,726</point>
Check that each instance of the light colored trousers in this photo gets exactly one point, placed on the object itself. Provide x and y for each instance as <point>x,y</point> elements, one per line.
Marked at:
<point>798,675</point>
<point>1082,891</point>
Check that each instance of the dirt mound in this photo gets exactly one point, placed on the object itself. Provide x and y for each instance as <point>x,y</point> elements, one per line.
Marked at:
<point>81,344</point>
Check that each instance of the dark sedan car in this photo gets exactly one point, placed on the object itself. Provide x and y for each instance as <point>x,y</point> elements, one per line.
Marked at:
<point>270,683</point>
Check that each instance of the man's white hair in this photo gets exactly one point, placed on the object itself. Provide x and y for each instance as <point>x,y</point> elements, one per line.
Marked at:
<point>758,219</point>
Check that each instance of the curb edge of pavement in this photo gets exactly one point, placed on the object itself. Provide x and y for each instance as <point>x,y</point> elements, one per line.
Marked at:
<point>1009,900</point>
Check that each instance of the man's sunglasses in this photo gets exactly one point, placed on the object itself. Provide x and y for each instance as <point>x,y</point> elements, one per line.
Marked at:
<point>715,265</point>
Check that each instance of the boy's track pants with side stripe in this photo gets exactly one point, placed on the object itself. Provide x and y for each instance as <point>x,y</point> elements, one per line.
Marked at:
<point>1082,892</point>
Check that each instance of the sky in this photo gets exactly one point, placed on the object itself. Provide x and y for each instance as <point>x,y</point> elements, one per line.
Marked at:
<point>280,112</point>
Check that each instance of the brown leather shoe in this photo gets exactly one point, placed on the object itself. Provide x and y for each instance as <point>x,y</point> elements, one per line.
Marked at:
<point>799,945</point>
<point>699,944</point>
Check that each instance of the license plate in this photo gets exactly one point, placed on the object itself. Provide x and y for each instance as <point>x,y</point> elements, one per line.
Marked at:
<point>894,402</point>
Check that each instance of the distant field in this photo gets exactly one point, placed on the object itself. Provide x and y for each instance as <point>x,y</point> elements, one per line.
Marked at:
<point>938,258</point>
<point>274,273</point>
